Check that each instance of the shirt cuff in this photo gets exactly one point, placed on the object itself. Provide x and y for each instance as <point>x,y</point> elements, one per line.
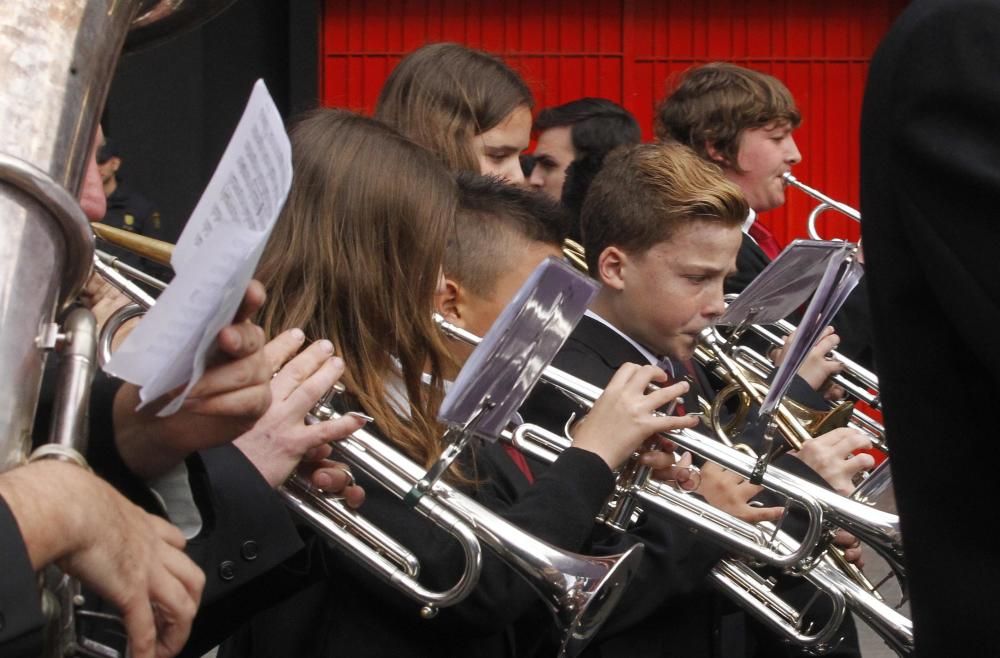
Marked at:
<point>173,490</point>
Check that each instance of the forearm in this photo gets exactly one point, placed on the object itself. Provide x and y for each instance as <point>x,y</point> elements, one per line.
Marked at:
<point>48,515</point>
<point>144,447</point>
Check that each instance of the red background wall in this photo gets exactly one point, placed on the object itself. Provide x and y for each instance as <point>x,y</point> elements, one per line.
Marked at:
<point>627,51</point>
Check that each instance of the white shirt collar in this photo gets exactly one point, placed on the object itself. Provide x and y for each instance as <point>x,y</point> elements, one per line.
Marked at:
<point>666,364</point>
<point>748,222</point>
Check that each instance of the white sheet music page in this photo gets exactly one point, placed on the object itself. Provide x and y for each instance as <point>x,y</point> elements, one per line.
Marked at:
<point>214,259</point>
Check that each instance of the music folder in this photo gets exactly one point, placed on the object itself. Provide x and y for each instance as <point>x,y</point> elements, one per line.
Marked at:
<point>786,283</point>
<point>508,362</point>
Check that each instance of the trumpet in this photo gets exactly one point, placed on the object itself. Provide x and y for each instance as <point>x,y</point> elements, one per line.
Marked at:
<point>826,203</point>
<point>859,382</point>
<point>745,371</point>
<point>579,590</point>
<point>573,252</point>
<point>879,529</point>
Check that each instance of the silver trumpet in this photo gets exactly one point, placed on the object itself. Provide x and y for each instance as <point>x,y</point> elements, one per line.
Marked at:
<point>747,370</point>
<point>757,542</point>
<point>580,591</point>
<point>826,203</point>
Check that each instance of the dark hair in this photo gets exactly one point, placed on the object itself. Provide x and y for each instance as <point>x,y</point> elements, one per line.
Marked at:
<point>107,150</point>
<point>494,218</point>
<point>443,94</point>
<point>645,192</point>
<point>355,258</point>
<point>597,125</point>
<point>713,104</point>
<point>579,175</point>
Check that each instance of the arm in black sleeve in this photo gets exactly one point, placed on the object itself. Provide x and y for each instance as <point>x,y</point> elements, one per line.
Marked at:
<point>21,618</point>
<point>247,533</point>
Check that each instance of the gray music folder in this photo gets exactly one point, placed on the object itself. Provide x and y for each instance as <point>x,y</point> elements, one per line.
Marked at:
<point>522,342</point>
<point>785,284</point>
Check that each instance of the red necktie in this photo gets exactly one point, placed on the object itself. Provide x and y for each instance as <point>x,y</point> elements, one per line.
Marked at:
<point>764,240</point>
<point>519,461</point>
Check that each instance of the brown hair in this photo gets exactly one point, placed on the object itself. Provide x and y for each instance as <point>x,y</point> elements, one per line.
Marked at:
<point>355,258</point>
<point>645,192</point>
<point>493,219</point>
<point>443,94</point>
<point>714,103</point>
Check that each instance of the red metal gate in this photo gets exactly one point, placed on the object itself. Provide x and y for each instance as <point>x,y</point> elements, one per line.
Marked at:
<point>628,50</point>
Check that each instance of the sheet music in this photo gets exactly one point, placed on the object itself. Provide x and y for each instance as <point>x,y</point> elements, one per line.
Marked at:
<point>214,259</point>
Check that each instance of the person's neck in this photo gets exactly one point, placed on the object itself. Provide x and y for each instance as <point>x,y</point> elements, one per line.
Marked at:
<point>604,306</point>
<point>110,186</point>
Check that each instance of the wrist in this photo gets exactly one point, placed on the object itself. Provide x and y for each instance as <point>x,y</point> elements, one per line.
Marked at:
<point>50,506</point>
<point>140,439</point>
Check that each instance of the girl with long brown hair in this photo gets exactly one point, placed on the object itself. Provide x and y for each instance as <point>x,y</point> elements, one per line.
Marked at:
<point>466,106</point>
<point>356,258</point>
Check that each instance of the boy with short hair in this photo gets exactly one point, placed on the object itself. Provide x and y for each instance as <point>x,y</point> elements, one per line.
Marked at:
<point>662,228</point>
<point>743,120</point>
<point>502,233</point>
<point>585,128</point>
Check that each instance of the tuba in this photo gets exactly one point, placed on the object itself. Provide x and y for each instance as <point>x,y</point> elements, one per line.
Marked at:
<point>56,63</point>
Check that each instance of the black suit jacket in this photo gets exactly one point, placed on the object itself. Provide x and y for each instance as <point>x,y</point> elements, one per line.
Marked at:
<point>21,619</point>
<point>347,611</point>
<point>246,531</point>
<point>679,614</point>
<point>669,607</point>
<point>930,193</point>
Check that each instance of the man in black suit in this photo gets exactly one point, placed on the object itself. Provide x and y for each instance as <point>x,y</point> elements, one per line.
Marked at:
<point>930,189</point>
<point>743,120</point>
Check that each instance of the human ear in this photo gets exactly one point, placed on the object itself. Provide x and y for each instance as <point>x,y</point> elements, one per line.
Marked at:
<point>611,267</point>
<point>715,155</point>
<point>448,302</point>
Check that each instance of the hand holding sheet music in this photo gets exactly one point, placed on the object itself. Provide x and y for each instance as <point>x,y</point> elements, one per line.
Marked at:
<point>214,259</point>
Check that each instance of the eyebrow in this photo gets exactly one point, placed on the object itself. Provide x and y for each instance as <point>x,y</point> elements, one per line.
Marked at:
<point>503,148</point>
<point>706,270</point>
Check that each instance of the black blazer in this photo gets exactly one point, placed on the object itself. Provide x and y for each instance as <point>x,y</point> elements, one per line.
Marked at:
<point>680,613</point>
<point>246,530</point>
<point>348,611</point>
<point>930,193</point>
<point>21,619</point>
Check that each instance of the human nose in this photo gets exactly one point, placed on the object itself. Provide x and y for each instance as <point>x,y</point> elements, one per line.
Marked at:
<point>514,175</point>
<point>715,303</point>
<point>535,179</point>
<point>792,156</point>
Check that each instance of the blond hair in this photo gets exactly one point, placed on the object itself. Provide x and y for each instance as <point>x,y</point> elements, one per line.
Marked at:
<point>645,192</point>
